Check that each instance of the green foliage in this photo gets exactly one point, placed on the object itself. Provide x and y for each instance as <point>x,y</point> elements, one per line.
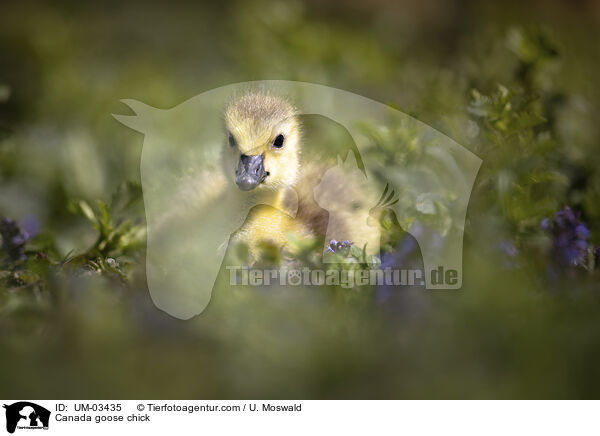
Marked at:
<point>521,165</point>
<point>119,240</point>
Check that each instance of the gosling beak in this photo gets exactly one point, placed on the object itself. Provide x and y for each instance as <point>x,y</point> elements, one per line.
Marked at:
<point>250,172</point>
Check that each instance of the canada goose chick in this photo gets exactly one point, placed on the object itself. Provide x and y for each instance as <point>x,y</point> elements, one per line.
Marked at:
<point>261,154</point>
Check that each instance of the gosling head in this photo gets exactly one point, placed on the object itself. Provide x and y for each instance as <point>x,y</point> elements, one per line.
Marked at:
<point>262,142</point>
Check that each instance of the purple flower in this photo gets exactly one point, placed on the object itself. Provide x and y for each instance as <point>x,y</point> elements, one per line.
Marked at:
<point>339,247</point>
<point>569,237</point>
<point>404,301</point>
<point>509,252</point>
<point>12,239</point>
<point>582,232</point>
<point>508,248</point>
<point>546,224</point>
<point>31,225</point>
<point>397,258</point>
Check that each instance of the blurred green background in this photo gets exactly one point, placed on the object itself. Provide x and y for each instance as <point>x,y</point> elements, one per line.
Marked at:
<point>514,82</point>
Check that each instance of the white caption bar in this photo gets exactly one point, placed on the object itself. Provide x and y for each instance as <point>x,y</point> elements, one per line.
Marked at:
<point>23,417</point>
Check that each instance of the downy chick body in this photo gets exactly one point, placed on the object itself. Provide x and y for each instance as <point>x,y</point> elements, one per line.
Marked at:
<point>263,156</point>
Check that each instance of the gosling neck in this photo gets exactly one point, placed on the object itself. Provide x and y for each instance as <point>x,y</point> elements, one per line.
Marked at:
<point>284,199</point>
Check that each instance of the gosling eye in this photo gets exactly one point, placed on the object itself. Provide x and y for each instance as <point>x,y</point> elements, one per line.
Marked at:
<point>231,140</point>
<point>278,141</point>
